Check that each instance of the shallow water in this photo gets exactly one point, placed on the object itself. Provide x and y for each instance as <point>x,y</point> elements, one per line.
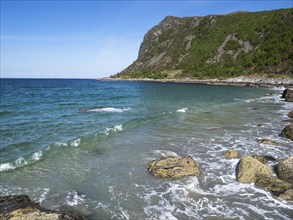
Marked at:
<point>95,161</point>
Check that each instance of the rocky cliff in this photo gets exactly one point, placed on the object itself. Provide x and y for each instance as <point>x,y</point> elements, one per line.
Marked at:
<point>229,45</point>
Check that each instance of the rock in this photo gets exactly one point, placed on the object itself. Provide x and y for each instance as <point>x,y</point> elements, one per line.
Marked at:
<point>249,170</point>
<point>267,142</point>
<point>231,154</point>
<point>173,167</point>
<point>273,184</point>
<point>288,95</point>
<point>20,207</point>
<point>290,114</point>
<point>287,132</point>
<point>284,93</point>
<point>285,169</point>
<point>263,159</point>
<point>287,195</point>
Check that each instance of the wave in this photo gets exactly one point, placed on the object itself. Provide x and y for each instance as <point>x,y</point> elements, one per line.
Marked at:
<point>38,155</point>
<point>107,109</point>
<point>21,161</point>
<point>85,142</point>
<point>116,128</point>
<point>182,110</point>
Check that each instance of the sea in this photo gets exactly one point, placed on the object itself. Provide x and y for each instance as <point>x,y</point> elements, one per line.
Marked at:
<point>84,145</point>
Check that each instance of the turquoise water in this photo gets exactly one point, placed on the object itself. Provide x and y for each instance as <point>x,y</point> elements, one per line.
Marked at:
<point>94,161</point>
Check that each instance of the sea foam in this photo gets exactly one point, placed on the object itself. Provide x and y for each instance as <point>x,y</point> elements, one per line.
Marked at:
<point>109,109</point>
<point>182,110</point>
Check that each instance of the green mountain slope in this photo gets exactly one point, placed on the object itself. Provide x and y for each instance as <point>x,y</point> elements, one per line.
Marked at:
<point>239,43</point>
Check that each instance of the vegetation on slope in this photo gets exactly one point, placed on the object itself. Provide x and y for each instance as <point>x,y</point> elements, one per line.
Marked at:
<point>217,46</point>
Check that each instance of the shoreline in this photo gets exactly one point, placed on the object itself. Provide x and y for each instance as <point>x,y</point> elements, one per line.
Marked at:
<point>238,81</point>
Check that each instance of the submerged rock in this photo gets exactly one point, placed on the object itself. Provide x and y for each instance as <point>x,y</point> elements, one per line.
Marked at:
<point>285,169</point>
<point>287,132</point>
<point>250,169</point>
<point>290,114</point>
<point>274,184</point>
<point>173,167</point>
<point>263,159</point>
<point>267,142</point>
<point>20,207</point>
<point>231,154</point>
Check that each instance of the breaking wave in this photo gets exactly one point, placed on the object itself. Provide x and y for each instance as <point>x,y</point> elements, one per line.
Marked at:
<point>182,110</point>
<point>107,109</point>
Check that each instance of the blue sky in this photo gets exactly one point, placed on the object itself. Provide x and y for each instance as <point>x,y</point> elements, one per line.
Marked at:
<point>91,39</point>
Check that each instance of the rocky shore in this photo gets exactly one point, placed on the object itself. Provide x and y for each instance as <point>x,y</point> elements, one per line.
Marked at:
<point>252,81</point>
<point>278,179</point>
<point>20,207</point>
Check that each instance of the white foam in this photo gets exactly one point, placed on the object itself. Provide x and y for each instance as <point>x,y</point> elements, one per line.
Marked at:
<point>75,143</point>
<point>44,195</point>
<point>61,144</point>
<point>37,155</point>
<point>165,153</point>
<point>116,128</point>
<point>6,166</point>
<point>182,110</point>
<point>109,109</point>
<point>20,162</point>
<point>167,216</point>
<point>73,199</point>
<point>11,166</point>
<point>249,100</point>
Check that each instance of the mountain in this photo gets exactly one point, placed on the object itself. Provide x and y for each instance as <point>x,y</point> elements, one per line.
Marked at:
<point>239,43</point>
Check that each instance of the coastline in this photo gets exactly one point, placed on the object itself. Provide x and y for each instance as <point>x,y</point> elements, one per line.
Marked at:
<point>251,81</point>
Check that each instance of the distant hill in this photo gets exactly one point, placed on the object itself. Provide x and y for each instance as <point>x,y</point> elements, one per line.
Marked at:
<point>235,44</point>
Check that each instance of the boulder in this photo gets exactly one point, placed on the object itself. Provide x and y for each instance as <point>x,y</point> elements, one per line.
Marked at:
<point>20,207</point>
<point>273,184</point>
<point>231,154</point>
<point>267,142</point>
<point>287,195</point>
<point>287,132</point>
<point>173,167</point>
<point>284,93</point>
<point>249,170</point>
<point>288,95</point>
<point>290,114</point>
<point>285,169</point>
<point>263,159</point>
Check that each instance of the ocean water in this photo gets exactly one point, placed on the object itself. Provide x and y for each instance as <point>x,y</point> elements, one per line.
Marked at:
<point>84,145</point>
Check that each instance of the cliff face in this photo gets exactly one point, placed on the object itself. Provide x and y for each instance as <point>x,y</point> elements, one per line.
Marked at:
<point>217,45</point>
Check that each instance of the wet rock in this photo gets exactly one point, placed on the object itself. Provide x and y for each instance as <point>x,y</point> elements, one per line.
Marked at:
<point>173,167</point>
<point>231,154</point>
<point>20,207</point>
<point>267,142</point>
<point>287,132</point>
<point>263,159</point>
<point>290,114</point>
<point>249,170</point>
<point>285,169</point>
<point>284,93</point>
<point>287,195</point>
<point>288,95</point>
<point>274,184</point>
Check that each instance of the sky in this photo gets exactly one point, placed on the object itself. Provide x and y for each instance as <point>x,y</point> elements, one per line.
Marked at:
<point>91,39</point>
